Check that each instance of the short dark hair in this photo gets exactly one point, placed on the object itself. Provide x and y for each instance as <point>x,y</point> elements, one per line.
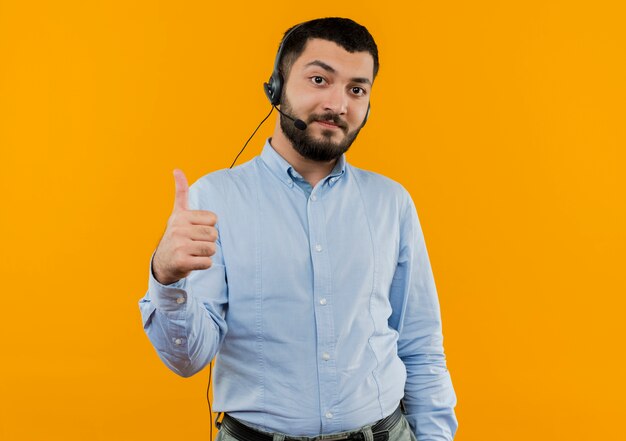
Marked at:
<point>344,32</point>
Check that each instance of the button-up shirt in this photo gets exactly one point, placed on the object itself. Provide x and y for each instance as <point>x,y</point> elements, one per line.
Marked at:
<point>320,306</point>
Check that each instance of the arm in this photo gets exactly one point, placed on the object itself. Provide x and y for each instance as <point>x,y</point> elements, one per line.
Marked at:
<point>185,320</point>
<point>429,397</point>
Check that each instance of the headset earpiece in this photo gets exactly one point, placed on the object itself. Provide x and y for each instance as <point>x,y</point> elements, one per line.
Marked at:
<point>273,88</point>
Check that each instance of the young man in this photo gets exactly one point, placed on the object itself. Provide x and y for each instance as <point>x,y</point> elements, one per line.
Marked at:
<point>314,289</point>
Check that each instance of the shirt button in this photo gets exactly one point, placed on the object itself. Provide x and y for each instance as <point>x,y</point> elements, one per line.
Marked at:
<point>178,341</point>
<point>313,197</point>
<point>180,300</point>
<point>329,415</point>
<point>325,356</point>
<point>318,248</point>
<point>323,302</point>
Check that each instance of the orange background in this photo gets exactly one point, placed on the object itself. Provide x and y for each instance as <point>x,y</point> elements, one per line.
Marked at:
<point>505,120</point>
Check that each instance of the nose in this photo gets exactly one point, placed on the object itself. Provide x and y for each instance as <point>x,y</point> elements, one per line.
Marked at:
<point>336,101</point>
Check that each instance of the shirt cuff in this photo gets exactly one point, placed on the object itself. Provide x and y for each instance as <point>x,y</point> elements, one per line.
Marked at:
<point>167,298</point>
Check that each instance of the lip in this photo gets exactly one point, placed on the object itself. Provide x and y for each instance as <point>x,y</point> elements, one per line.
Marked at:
<point>328,124</point>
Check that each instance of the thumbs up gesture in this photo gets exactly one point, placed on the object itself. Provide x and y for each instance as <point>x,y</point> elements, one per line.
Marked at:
<point>188,241</point>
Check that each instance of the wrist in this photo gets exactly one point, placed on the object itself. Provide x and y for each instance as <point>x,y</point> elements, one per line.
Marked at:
<point>161,276</point>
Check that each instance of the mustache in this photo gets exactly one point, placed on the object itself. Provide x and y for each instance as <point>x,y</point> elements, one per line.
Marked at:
<point>331,117</point>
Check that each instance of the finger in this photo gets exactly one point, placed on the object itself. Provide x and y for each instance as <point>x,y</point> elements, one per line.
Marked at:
<point>203,233</point>
<point>200,263</point>
<point>201,248</point>
<point>181,199</point>
<point>201,217</point>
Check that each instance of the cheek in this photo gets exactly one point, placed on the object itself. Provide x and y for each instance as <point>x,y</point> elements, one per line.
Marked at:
<point>309,103</point>
<point>358,115</point>
<point>299,98</point>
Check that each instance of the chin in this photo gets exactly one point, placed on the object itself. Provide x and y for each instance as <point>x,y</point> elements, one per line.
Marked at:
<point>329,136</point>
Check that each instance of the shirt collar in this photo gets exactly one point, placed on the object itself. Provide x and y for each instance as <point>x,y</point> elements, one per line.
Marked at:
<point>338,171</point>
<point>286,173</point>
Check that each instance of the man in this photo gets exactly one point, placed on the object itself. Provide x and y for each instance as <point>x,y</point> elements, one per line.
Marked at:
<point>314,290</point>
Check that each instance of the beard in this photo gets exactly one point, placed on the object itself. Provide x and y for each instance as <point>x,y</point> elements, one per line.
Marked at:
<point>324,149</point>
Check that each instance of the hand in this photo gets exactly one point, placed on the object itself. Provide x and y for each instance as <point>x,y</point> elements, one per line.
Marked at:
<point>188,241</point>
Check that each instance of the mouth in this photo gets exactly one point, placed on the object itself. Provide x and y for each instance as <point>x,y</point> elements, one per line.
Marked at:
<point>328,124</point>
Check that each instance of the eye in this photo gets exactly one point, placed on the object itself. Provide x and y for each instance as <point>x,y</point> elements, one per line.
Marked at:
<point>318,80</point>
<point>358,91</point>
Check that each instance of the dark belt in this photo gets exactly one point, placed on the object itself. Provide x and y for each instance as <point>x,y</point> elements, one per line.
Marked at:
<point>246,433</point>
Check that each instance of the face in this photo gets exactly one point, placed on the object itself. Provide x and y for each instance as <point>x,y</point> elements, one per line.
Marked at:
<point>328,88</point>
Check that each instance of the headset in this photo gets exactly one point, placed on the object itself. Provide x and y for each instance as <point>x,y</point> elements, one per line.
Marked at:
<point>273,89</point>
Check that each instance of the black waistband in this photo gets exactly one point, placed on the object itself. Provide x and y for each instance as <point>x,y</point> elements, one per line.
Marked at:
<point>380,429</point>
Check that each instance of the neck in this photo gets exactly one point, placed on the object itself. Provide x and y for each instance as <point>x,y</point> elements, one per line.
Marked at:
<point>311,171</point>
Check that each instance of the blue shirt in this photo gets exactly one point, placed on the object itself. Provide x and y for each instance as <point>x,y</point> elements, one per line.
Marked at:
<point>320,305</point>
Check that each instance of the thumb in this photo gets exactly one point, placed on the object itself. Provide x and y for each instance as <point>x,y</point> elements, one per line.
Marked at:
<point>181,200</point>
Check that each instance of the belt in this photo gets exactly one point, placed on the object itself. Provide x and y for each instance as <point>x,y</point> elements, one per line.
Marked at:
<point>242,432</point>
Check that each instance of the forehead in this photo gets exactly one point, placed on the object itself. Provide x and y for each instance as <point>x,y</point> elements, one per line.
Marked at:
<point>355,64</point>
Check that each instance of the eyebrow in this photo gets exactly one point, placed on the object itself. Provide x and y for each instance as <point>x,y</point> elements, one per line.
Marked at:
<point>331,69</point>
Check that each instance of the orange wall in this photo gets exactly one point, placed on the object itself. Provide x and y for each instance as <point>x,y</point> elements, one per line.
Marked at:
<point>505,120</point>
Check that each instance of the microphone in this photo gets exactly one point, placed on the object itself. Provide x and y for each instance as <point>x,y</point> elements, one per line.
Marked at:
<point>296,122</point>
